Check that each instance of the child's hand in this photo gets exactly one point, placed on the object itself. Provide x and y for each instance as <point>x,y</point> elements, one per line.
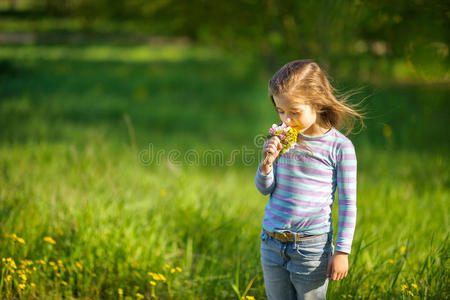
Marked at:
<point>272,147</point>
<point>338,266</point>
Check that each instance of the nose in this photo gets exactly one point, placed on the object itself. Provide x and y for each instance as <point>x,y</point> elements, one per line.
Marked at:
<point>287,121</point>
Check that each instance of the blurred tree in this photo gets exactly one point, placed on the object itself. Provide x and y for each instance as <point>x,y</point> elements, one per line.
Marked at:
<point>337,31</point>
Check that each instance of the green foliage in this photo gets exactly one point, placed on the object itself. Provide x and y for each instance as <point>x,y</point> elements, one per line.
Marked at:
<point>74,118</point>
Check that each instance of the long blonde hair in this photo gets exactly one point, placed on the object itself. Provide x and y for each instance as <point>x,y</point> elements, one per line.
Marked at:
<point>305,80</point>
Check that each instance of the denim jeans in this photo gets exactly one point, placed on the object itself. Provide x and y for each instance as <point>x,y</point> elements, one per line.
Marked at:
<point>296,270</point>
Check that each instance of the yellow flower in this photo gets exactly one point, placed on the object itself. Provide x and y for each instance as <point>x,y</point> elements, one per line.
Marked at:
<point>404,287</point>
<point>23,277</point>
<point>167,266</point>
<point>249,298</point>
<point>414,285</point>
<point>8,278</point>
<point>152,283</point>
<point>172,270</point>
<point>12,263</point>
<point>120,291</point>
<point>162,193</point>
<point>410,293</point>
<point>79,266</point>
<point>139,296</point>
<point>42,262</point>
<point>20,240</point>
<point>22,286</point>
<point>179,269</point>
<point>49,240</point>
<point>402,249</point>
<point>391,261</point>
<point>32,284</point>
<point>161,277</point>
<point>63,282</point>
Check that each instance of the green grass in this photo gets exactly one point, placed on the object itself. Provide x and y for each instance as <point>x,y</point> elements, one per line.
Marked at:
<point>73,120</point>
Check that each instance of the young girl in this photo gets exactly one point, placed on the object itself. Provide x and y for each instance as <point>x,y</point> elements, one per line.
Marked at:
<point>297,252</point>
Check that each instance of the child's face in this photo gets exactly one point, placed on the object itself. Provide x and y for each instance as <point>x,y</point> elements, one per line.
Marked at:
<point>294,113</point>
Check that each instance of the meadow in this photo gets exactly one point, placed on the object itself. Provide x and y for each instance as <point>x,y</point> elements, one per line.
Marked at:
<point>86,213</point>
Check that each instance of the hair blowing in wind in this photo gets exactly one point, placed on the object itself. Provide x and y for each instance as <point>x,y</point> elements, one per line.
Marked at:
<point>305,80</point>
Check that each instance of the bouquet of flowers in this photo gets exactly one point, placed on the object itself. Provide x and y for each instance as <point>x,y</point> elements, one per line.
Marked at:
<point>287,136</point>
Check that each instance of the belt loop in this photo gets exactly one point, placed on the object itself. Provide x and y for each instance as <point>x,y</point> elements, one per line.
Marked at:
<point>295,240</point>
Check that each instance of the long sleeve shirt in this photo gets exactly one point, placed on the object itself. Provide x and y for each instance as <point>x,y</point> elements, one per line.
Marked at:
<point>302,186</point>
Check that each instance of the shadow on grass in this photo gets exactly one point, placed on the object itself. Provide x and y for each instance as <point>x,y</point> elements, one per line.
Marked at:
<point>216,102</point>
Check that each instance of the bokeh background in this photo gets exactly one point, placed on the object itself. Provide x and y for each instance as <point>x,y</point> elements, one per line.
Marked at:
<point>129,143</point>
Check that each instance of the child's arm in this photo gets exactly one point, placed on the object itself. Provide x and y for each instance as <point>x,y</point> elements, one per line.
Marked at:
<point>346,182</point>
<point>265,179</point>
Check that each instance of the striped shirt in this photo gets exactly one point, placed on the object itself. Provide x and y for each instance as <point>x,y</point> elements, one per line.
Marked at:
<point>302,185</point>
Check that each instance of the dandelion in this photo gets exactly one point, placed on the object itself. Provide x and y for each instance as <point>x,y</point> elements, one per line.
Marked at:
<point>8,278</point>
<point>11,264</point>
<point>403,287</point>
<point>152,283</point>
<point>64,282</point>
<point>161,276</point>
<point>167,266</point>
<point>179,269</point>
<point>21,286</point>
<point>162,193</point>
<point>139,296</point>
<point>120,291</point>
<point>79,266</point>
<point>414,285</point>
<point>42,262</point>
<point>249,298</point>
<point>23,277</point>
<point>32,284</point>
<point>49,240</point>
<point>410,293</point>
<point>402,249</point>
<point>391,261</point>
<point>15,238</point>
<point>26,262</point>
<point>172,270</point>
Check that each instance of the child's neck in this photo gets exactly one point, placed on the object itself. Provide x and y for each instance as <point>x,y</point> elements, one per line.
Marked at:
<point>316,130</point>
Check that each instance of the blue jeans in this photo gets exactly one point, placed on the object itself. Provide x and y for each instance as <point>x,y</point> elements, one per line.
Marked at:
<point>296,270</point>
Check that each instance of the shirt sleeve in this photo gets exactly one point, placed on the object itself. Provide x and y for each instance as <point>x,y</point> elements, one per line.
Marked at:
<point>265,183</point>
<point>346,166</point>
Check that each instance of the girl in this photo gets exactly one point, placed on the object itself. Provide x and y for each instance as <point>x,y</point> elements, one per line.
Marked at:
<point>297,252</point>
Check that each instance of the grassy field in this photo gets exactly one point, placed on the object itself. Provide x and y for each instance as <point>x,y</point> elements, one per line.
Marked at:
<point>85,212</point>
